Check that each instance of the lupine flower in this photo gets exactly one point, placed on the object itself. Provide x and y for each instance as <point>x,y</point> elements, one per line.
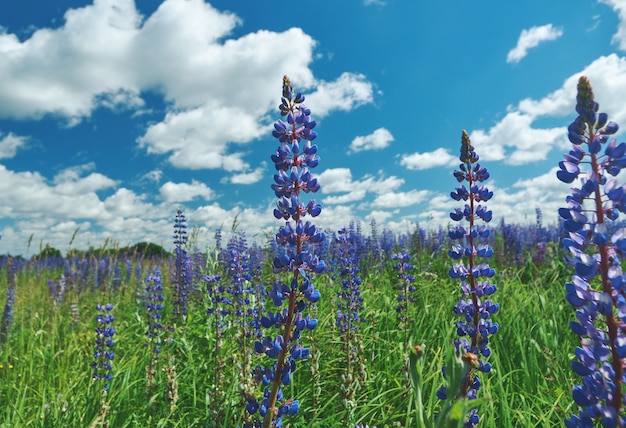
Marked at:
<point>349,308</point>
<point>154,308</point>
<point>294,158</point>
<point>7,315</point>
<point>56,290</point>
<point>215,292</point>
<point>475,307</point>
<point>350,302</point>
<point>406,288</point>
<point>75,314</point>
<point>103,354</point>
<point>598,287</point>
<point>182,275</point>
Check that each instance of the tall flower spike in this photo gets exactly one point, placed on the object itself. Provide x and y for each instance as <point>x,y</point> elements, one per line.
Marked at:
<point>475,307</point>
<point>182,275</point>
<point>349,309</point>
<point>294,159</point>
<point>103,356</point>
<point>598,286</point>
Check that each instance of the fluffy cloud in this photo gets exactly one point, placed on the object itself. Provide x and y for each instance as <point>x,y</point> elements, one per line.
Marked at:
<point>619,6</point>
<point>419,161</point>
<point>515,130</point>
<point>185,192</point>
<point>29,195</point>
<point>61,71</point>
<point>377,140</point>
<point>400,199</point>
<point>9,145</point>
<point>516,141</point>
<point>339,180</point>
<point>218,89</point>
<point>346,93</point>
<point>249,177</point>
<point>531,38</point>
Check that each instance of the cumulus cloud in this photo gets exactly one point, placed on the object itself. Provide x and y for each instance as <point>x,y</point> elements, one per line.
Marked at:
<point>377,140</point>
<point>516,140</point>
<point>106,54</point>
<point>184,192</point>
<point>29,195</point>
<point>420,161</point>
<point>529,144</point>
<point>218,91</point>
<point>153,176</point>
<point>619,6</point>
<point>400,199</point>
<point>339,180</point>
<point>10,144</point>
<point>349,91</point>
<point>249,177</point>
<point>61,71</point>
<point>531,38</point>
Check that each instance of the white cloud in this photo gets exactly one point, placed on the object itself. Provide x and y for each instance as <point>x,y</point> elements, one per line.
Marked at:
<point>154,175</point>
<point>619,6</point>
<point>514,139</point>
<point>420,161</point>
<point>400,199</point>
<point>70,181</point>
<point>346,93</point>
<point>28,195</point>
<point>335,180</point>
<point>339,180</point>
<point>198,138</point>
<point>184,192</point>
<point>529,144</point>
<point>379,216</point>
<point>125,203</point>
<point>531,38</point>
<point>355,195</point>
<point>374,2</point>
<point>377,140</point>
<point>9,145</point>
<point>107,54</point>
<point>249,177</point>
<point>61,71</point>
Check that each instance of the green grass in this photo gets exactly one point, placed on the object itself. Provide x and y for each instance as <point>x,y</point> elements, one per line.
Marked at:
<point>45,374</point>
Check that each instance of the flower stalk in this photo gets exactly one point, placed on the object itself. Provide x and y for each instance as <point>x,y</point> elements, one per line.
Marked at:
<point>293,160</point>
<point>598,287</point>
<point>475,307</point>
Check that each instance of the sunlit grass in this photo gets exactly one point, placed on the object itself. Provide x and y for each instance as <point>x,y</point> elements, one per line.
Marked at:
<point>45,373</point>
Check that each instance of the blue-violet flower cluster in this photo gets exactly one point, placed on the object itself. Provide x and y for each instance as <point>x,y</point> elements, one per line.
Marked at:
<point>182,276</point>
<point>103,354</point>
<point>294,158</point>
<point>475,307</point>
<point>598,287</point>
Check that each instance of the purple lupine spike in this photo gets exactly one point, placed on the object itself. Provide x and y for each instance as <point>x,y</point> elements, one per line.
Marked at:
<point>8,314</point>
<point>183,267</point>
<point>293,160</point>
<point>154,307</point>
<point>475,325</point>
<point>406,289</point>
<point>103,353</point>
<point>597,288</point>
<point>349,318</point>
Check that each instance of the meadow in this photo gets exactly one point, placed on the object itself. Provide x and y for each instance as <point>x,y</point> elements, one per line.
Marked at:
<point>337,328</point>
<point>45,362</point>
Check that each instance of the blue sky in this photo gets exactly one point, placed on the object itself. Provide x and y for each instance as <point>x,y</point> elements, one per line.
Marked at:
<point>114,113</point>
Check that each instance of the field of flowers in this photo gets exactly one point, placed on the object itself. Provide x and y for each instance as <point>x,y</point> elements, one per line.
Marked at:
<point>346,328</point>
